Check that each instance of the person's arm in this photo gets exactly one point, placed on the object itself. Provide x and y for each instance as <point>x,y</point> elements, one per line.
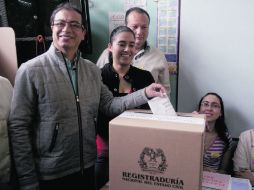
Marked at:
<point>241,161</point>
<point>225,162</point>
<point>163,72</point>
<point>113,106</point>
<point>164,77</point>
<point>241,154</point>
<point>5,102</point>
<point>22,112</point>
<point>155,90</point>
<point>246,174</point>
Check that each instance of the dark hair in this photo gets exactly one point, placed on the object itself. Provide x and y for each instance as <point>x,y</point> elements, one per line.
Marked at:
<point>220,125</point>
<point>66,6</point>
<point>138,10</point>
<point>114,33</point>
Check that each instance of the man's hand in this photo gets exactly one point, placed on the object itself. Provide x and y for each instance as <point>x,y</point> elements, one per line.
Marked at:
<point>154,90</point>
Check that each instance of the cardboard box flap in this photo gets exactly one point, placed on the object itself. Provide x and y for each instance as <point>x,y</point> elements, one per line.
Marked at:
<point>137,119</point>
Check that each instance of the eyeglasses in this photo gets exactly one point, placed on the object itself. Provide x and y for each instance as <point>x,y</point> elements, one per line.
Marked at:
<point>210,105</point>
<point>72,24</point>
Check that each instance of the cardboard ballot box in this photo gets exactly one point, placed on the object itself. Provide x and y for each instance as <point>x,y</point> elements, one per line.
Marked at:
<point>148,152</point>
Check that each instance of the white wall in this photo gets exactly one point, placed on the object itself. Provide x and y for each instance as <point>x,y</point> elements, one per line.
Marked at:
<point>217,54</point>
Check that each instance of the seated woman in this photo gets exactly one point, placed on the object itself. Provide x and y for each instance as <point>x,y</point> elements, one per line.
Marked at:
<point>217,139</point>
<point>244,156</point>
<point>121,78</point>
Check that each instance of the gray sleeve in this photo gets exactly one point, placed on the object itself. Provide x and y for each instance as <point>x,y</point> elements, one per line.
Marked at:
<point>113,106</point>
<point>23,109</point>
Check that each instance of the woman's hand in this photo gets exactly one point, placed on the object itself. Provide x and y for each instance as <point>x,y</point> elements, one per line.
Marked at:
<point>154,90</point>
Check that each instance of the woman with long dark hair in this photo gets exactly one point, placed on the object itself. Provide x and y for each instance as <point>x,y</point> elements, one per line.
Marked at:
<point>217,139</point>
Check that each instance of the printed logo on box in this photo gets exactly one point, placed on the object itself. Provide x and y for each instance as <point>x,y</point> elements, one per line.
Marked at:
<point>153,161</point>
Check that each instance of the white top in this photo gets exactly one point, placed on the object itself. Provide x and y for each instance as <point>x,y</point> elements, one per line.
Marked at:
<point>244,154</point>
